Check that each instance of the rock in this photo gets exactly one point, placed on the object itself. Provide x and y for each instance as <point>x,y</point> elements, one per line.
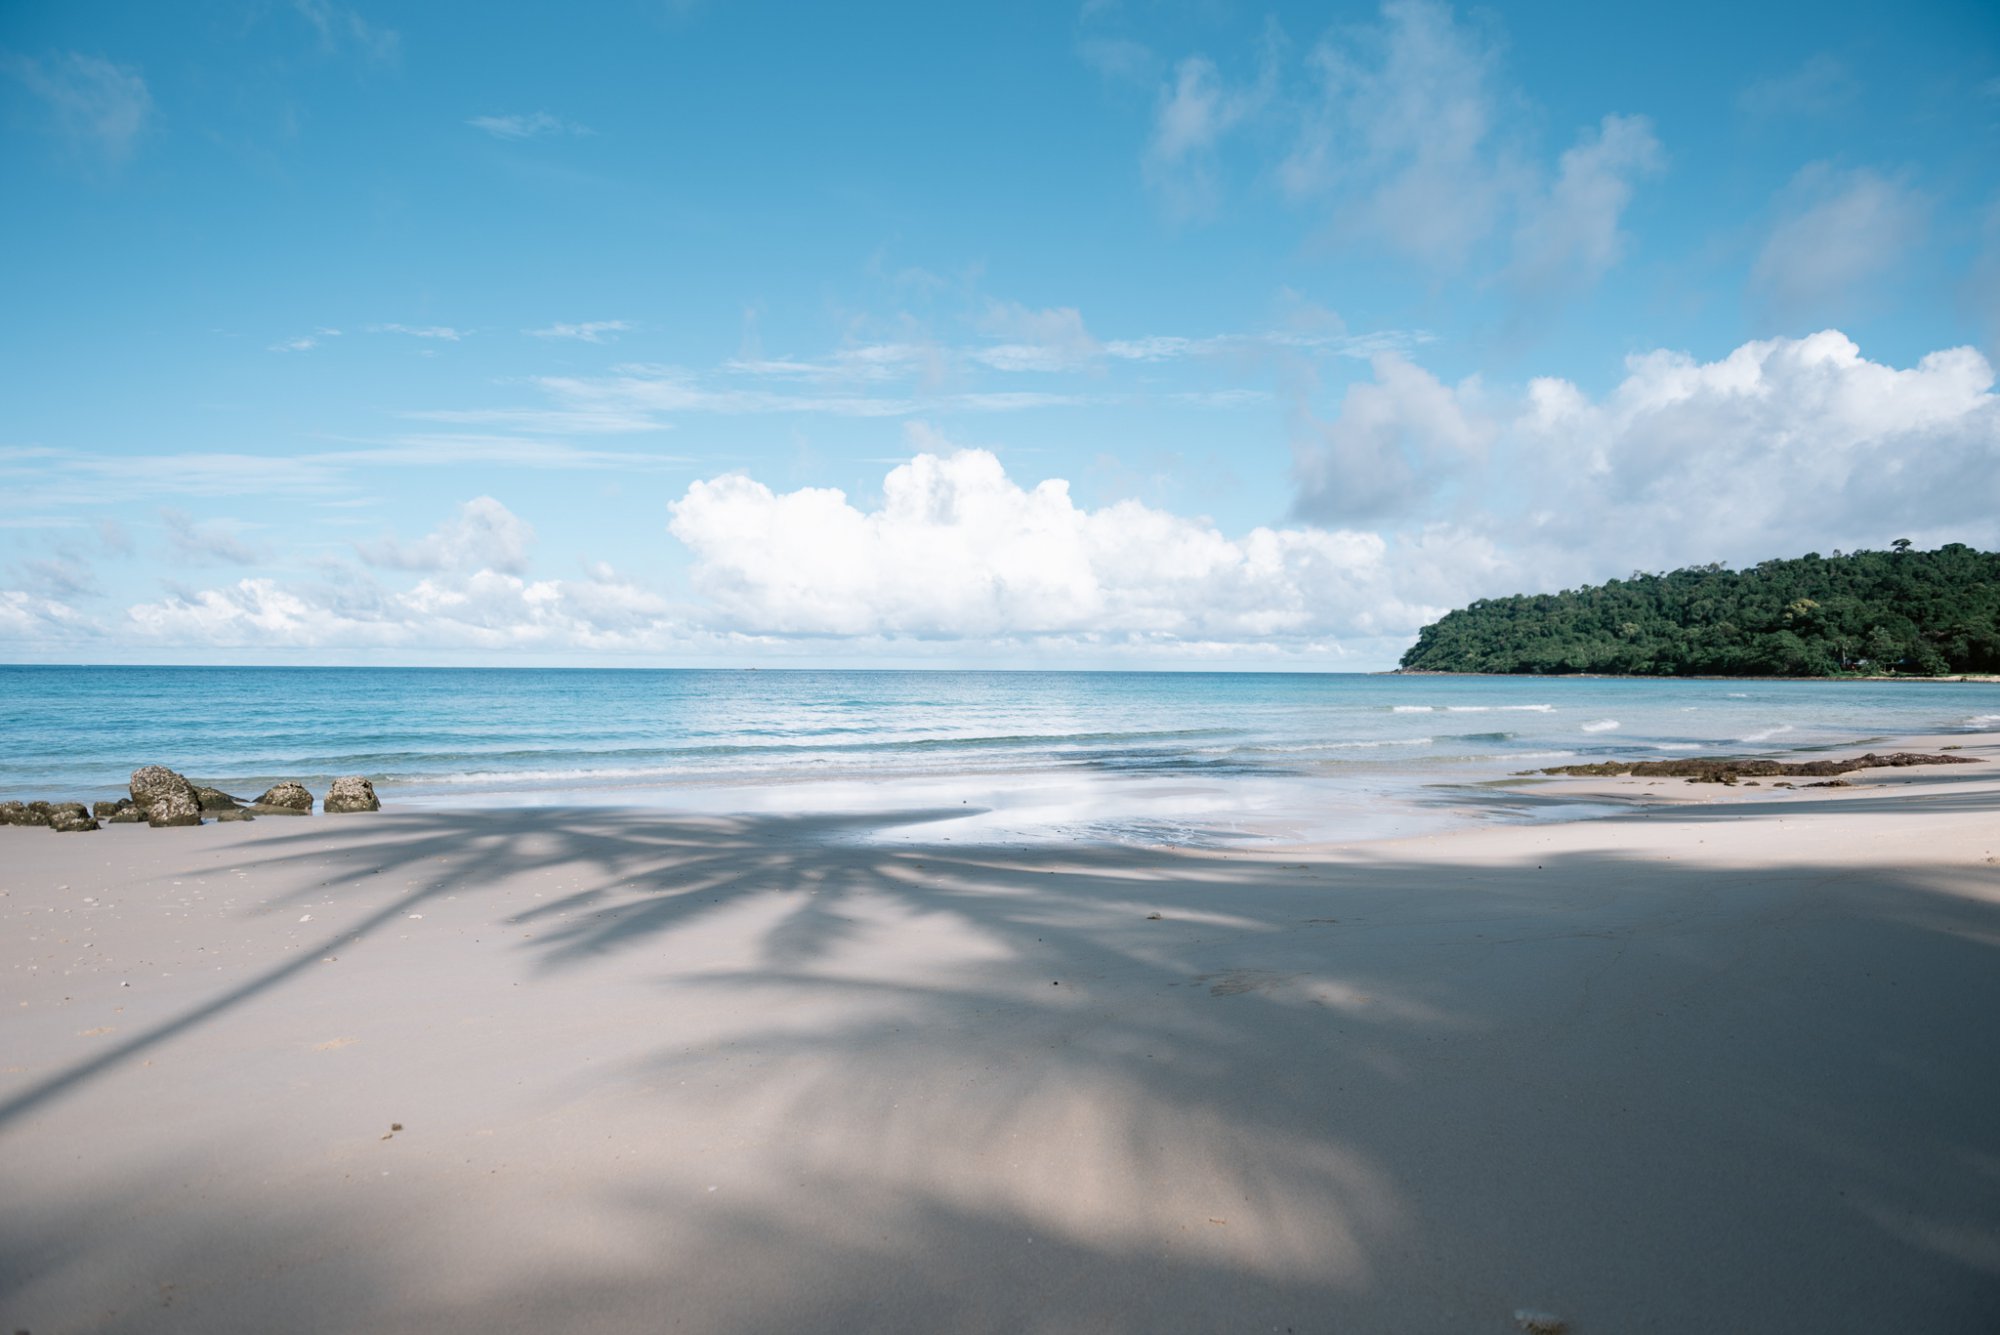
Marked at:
<point>36,813</point>
<point>71,818</point>
<point>285,799</point>
<point>230,813</point>
<point>106,810</point>
<point>353,793</point>
<point>170,807</point>
<point>1729,771</point>
<point>214,799</point>
<point>128,816</point>
<point>155,781</point>
<point>13,813</point>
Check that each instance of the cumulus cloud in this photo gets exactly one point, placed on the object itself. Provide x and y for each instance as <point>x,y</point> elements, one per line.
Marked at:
<point>1837,232</point>
<point>484,534</point>
<point>1397,440</point>
<point>1782,446</point>
<point>958,549</point>
<point>98,107</point>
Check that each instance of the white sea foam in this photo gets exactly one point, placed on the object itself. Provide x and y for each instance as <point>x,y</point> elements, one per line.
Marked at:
<point>1677,746</point>
<point>1767,734</point>
<point>1409,709</point>
<point>1544,755</point>
<point>1739,695</point>
<point>1601,725</point>
<point>1981,720</point>
<point>1468,709</point>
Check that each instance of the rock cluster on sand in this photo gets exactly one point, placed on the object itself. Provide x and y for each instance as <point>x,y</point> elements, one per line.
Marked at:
<point>351,794</point>
<point>162,797</point>
<point>70,818</point>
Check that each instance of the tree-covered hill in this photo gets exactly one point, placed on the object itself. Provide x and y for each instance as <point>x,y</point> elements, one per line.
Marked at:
<point>1817,616</point>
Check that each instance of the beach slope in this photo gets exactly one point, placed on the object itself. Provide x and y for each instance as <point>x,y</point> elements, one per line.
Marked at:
<point>1726,1066</point>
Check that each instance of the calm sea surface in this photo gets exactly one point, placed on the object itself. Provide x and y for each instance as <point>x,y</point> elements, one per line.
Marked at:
<point>1088,752</point>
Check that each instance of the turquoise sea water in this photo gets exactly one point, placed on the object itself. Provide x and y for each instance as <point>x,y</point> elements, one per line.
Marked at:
<point>717,740</point>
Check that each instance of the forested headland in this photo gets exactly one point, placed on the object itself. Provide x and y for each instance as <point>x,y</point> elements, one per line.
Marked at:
<point>1864,613</point>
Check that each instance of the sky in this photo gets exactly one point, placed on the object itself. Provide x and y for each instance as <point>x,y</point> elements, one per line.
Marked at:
<point>1112,335</point>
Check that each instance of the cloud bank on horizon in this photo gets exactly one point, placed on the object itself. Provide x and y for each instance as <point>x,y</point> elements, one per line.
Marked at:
<point>1257,341</point>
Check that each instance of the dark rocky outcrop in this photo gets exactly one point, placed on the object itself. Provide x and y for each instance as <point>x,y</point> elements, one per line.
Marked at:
<point>129,815</point>
<point>70,818</point>
<point>1729,771</point>
<point>230,813</point>
<point>284,799</point>
<point>352,793</point>
<point>212,800</point>
<point>170,808</point>
<point>107,810</point>
<point>14,813</point>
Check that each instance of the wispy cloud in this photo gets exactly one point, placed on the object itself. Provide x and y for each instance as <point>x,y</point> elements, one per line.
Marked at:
<point>97,107</point>
<point>304,342</point>
<point>536,125</point>
<point>1838,234</point>
<point>340,27</point>
<point>589,331</point>
<point>217,541</point>
<point>438,331</point>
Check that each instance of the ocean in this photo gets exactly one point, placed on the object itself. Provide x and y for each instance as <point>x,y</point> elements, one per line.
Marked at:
<point>1174,757</point>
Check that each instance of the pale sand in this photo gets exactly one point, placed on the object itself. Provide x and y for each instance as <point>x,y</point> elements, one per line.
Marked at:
<point>1728,1067</point>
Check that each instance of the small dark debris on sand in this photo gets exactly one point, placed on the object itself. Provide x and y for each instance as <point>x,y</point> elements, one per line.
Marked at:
<point>1729,771</point>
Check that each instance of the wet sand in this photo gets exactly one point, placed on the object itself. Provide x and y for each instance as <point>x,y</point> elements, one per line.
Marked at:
<point>1730,1065</point>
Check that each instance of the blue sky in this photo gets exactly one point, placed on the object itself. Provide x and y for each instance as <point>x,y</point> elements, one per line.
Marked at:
<point>1112,335</point>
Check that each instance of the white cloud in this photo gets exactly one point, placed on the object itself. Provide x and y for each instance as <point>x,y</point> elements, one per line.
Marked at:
<point>1196,110</point>
<point>484,534</point>
<point>1837,232</point>
<point>437,331</point>
<point>959,550</point>
<point>1044,340</point>
<point>1570,236</point>
<point>537,125</point>
<point>1402,135</point>
<point>1397,440</point>
<point>590,331</point>
<point>94,104</point>
<point>1785,445</point>
<point>483,610</point>
<point>28,619</point>
<point>215,541</point>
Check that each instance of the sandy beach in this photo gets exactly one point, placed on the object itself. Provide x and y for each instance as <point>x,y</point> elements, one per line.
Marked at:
<point>1726,1060</point>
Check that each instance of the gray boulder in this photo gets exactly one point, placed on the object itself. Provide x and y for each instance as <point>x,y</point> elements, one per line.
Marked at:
<point>38,813</point>
<point>229,813</point>
<point>106,810</point>
<point>13,813</point>
<point>353,793</point>
<point>173,807</point>
<point>127,816</point>
<point>284,799</point>
<point>156,781</point>
<point>70,818</point>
